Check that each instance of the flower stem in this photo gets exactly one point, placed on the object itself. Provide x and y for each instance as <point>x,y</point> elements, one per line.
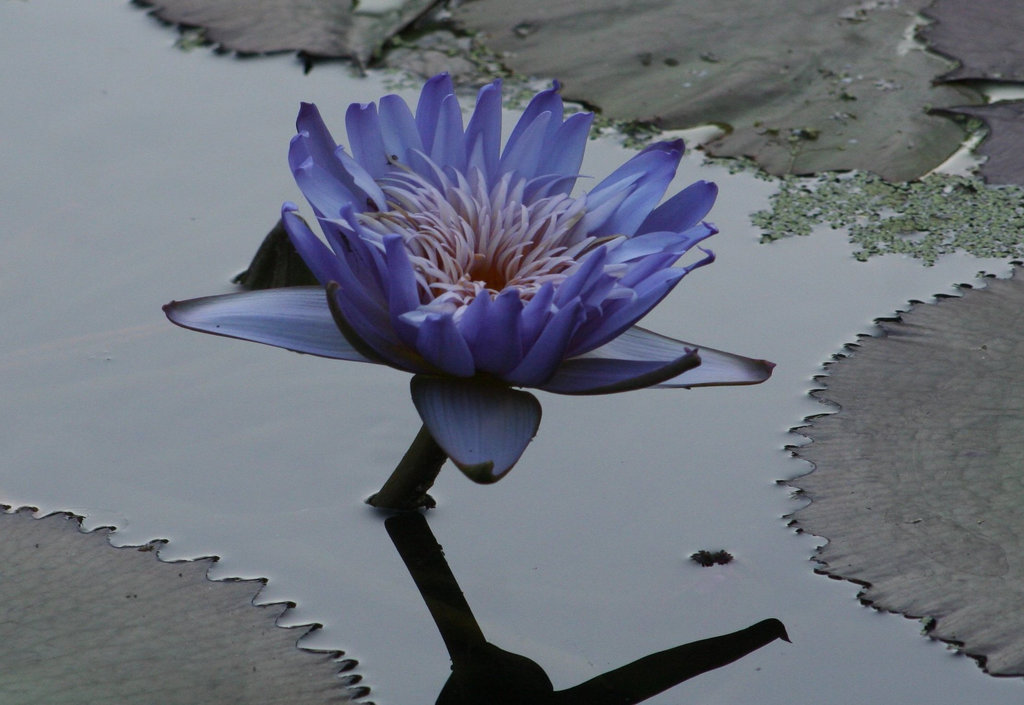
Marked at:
<point>407,487</point>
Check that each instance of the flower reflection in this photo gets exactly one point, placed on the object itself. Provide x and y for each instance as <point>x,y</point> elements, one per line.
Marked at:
<point>475,268</point>
<point>484,673</point>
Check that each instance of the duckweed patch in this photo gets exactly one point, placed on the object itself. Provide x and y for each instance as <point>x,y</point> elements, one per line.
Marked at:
<point>925,219</point>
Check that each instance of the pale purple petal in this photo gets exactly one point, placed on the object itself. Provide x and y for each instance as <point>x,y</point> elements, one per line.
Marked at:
<point>441,344</point>
<point>651,266</point>
<point>324,193</point>
<point>402,292</point>
<point>483,133</point>
<point>434,91</point>
<point>548,101</point>
<point>626,176</point>
<point>654,168</point>
<point>564,153</point>
<point>365,138</point>
<point>620,314</point>
<point>294,318</point>
<point>363,185</point>
<point>398,128</point>
<point>646,267</point>
<point>473,318</point>
<point>369,330</point>
<point>425,167</point>
<point>401,288</point>
<point>449,145</point>
<point>364,260</point>
<point>660,242</point>
<point>717,367</point>
<point>484,428</point>
<point>542,359</point>
<point>601,210</point>
<point>589,271</point>
<point>523,155</point>
<point>547,185</point>
<point>313,140</point>
<point>598,292</point>
<point>536,314</point>
<point>593,374</point>
<point>683,210</point>
<point>366,318</point>
<point>322,179</point>
<point>320,260</point>
<point>497,341</point>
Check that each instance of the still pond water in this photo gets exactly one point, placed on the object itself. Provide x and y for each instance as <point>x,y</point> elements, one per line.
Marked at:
<point>135,173</point>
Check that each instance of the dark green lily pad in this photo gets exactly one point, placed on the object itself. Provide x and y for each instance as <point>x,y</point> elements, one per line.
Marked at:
<point>84,622</point>
<point>804,87</point>
<point>322,28</point>
<point>1004,145</point>
<point>918,481</point>
<point>983,36</point>
<point>276,263</point>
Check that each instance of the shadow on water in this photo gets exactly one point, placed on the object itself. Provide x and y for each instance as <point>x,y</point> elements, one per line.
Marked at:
<point>482,672</point>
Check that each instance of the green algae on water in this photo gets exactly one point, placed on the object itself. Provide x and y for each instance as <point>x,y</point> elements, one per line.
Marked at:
<point>937,215</point>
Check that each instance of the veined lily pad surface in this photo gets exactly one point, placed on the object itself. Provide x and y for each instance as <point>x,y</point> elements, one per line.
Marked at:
<point>917,481</point>
<point>136,173</point>
<point>799,96</point>
<point>354,29</point>
<point>802,87</point>
<point>85,622</point>
<point>984,39</point>
<point>1005,142</point>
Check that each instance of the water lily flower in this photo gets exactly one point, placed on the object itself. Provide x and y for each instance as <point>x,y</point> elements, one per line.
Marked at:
<point>477,268</point>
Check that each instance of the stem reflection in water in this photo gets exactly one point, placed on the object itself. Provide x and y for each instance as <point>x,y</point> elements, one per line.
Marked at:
<point>482,672</point>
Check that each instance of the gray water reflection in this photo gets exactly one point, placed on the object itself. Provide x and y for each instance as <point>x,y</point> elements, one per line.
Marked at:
<point>485,673</point>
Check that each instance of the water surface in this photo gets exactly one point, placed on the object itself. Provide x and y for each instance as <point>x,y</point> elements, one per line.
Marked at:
<point>136,173</point>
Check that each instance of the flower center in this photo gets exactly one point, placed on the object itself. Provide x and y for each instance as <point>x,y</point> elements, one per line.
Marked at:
<point>464,239</point>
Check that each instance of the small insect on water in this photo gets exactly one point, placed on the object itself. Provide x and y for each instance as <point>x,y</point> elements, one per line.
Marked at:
<point>706,559</point>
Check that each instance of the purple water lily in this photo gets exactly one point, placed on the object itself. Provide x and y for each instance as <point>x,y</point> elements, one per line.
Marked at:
<point>476,269</point>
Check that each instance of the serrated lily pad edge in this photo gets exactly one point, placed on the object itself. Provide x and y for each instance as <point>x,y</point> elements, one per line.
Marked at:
<point>928,622</point>
<point>931,626</point>
<point>347,680</point>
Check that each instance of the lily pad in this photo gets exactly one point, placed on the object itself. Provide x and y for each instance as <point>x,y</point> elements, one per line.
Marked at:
<point>276,263</point>
<point>984,39</point>
<point>983,36</point>
<point>803,88</point>
<point>325,28</point>
<point>917,479</point>
<point>1004,144</point>
<point>84,622</point>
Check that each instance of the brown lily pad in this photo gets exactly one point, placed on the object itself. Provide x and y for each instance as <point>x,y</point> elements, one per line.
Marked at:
<point>322,28</point>
<point>803,88</point>
<point>983,36</point>
<point>84,622</point>
<point>1004,145</point>
<point>917,480</point>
